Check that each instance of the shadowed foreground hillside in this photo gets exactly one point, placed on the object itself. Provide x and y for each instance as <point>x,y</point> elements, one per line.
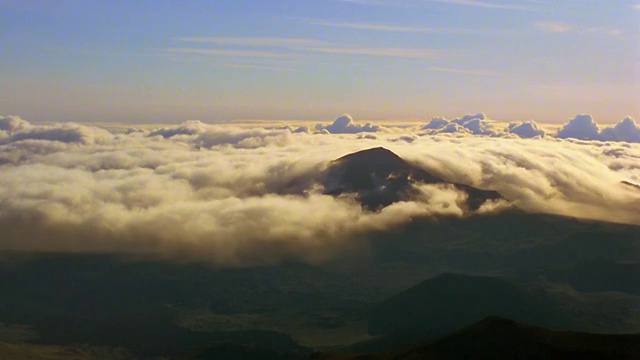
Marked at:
<point>449,301</point>
<point>49,352</point>
<point>498,338</point>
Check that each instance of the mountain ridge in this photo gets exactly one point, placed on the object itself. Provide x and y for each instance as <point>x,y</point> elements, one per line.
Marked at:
<point>378,177</point>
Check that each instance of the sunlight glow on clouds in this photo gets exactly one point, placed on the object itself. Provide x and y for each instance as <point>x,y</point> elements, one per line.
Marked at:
<point>239,196</point>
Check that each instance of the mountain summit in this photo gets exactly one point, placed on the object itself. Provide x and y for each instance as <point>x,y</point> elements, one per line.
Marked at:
<point>378,177</point>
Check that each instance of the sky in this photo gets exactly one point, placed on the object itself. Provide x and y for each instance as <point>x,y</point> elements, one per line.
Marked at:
<point>166,61</point>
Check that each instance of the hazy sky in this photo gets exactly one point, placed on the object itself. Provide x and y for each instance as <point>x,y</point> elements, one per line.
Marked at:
<point>160,60</point>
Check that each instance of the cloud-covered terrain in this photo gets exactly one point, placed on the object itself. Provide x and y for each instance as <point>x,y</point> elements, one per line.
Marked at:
<point>236,196</point>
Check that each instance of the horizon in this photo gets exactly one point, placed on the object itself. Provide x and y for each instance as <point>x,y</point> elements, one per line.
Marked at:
<point>379,60</point>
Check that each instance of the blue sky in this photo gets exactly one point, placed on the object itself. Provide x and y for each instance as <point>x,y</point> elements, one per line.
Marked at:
<point>170,61</point>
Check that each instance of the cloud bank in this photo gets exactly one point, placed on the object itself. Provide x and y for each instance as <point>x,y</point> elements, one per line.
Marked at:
<point>238,196</point>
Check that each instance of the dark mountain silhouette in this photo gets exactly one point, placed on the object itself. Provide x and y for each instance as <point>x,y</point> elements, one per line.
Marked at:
<point>500,338</point>
<point>378,178</point>
<point>448,302</point>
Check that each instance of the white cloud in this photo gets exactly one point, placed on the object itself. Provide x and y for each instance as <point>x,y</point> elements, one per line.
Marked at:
<point>477,124</point>
<point>10,124</point>
<point>626,130</point>
<point>526,130</point>
<point>65,133</point>
<point>436,123</point>
<point>237,196</point>
<point>583,127</point>
<point>345,125</point>
<point>192,127</point>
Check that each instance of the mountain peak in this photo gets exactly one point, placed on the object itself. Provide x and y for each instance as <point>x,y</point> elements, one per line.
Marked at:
<point>379,177</point>
<point>378,154</point>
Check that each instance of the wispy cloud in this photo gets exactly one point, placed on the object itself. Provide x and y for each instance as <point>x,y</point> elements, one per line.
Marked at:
<point>254,41</point>
<point>637,6</point>
<point>513,5</point>
<point>393,28</point>
<point>560,27</point>
<point>602,31</point>
<point>554,27</point>
<point>486,5</point>
<point>383,51</point>
<point>257,67</point>
<point>368,2</point>
<point>293,47</point>
<point>227,52</point>
<point>471,72</point>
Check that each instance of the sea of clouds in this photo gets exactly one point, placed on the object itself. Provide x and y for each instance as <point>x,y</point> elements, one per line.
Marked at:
<point>234,195</point>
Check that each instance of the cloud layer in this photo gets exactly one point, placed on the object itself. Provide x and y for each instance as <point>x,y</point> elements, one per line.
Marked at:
<point>238,196</point>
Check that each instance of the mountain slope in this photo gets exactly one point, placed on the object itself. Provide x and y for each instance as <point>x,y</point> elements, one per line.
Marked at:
<point>450,301</point>
<point>378,178</point>
<point>499,338</point>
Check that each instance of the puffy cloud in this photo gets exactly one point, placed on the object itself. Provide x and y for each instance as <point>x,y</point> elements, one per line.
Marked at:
<point>242,138</point>
<point>11,124</point>
<point>525,130</point>
<point>626,130</point>
<point>477,124</point>
<point>64,133</point>
<point>345,125</point>
<point>581,127</point>
<point>469,117</point>
<point>436,123</point>
<point>302,129</point>
<point>191,127</point>
<point>452,128</point>
<point>236,196</point>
